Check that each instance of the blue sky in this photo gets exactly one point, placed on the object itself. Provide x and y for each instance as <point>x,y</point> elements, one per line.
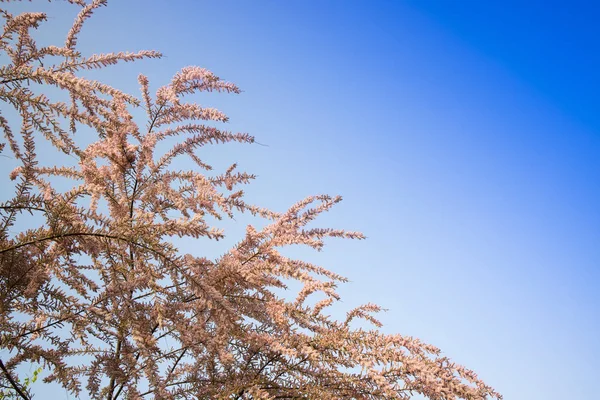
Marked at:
<point>463,135</point>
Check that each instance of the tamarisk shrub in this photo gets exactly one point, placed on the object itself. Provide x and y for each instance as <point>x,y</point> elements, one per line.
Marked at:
<point>92,293</point>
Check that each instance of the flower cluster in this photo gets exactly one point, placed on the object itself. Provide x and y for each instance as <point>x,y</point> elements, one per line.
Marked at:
<point>102,299</point>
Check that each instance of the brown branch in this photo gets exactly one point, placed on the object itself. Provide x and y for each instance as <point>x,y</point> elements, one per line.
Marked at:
<point>58,321</point>
<point>13,383</point>
<point>173,384</point>
<point>63,235</point>
<point>23,208</point>
<point>112,379</point>
<point>12,80</point>
<point>175,364</point>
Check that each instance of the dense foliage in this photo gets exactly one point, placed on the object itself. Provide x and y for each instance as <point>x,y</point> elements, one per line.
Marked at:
<point>92,291</point>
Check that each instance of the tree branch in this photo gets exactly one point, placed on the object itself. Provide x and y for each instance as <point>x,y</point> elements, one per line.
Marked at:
<point>13,383</point>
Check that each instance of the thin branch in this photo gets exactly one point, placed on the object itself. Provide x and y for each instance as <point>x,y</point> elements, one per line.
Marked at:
<point>72,234</point>
<point>23,208</point>
<point>14,384</point>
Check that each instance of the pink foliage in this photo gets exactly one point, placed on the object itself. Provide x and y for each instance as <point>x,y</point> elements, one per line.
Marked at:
<point>100,326</point>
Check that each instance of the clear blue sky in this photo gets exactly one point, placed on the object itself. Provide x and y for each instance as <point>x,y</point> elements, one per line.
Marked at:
<point>463,135</point>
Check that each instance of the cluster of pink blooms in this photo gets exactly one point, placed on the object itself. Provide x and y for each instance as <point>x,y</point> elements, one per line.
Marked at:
<point>99,296</point>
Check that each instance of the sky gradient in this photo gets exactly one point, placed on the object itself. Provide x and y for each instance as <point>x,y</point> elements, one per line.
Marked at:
<point>464,137</point>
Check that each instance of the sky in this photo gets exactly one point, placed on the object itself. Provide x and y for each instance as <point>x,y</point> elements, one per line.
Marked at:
<point>463,135</point>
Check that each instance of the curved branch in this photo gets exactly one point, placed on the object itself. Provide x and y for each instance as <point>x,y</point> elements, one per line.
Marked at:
<point>71,234</point>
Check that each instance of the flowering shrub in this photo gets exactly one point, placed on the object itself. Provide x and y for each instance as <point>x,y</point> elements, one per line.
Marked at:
<point>91,292</point>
